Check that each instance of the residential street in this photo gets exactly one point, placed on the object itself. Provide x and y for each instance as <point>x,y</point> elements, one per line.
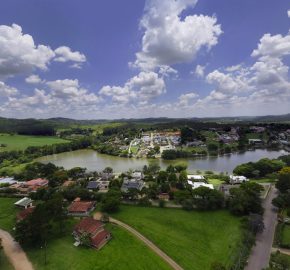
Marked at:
<point>260,255</point>
<point>14,252</point>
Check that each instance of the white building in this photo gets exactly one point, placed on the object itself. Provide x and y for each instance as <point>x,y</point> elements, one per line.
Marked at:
<point>195,185</point>
<point>195,177</point>
<point>238,179</point>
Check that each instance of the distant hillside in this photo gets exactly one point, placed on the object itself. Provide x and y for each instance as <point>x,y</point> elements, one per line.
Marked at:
<point>48,126</point>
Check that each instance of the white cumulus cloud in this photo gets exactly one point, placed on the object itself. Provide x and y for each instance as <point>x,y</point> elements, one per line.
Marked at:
<point>6,90</point>
<point>33,79</point>
<point>65,54</point>
<point>142,87</point>
<point>170,39</point>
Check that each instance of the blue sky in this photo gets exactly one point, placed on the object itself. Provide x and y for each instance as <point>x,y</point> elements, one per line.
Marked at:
<point>134,59</point>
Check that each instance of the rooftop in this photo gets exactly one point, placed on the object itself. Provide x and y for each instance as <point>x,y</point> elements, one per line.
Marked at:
<point>80,206</point>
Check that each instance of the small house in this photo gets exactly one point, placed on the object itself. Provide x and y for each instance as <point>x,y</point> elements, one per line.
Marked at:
<point>24,203</point>
<point>132,184</point>
<point>195,177</point>
<point>81,208</point>
<point>97,235</point>
<point>195,185</point>
<point>24,213</point>
<point>238,179</point>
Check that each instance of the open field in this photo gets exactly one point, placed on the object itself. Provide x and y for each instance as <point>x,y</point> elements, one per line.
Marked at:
<point>4,263</point>
<point>12,170</point>
<point>98,128</point>
<point>193,239</point>
<point>7,213</point>
<point>21,142</point>
<point>285,239</point>
<point>123,252</point>
<point>215,182</point>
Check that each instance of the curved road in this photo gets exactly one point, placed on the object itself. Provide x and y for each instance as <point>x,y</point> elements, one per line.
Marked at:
<point>260,255</point>
<point>14,252</point>
<point>148,243</point>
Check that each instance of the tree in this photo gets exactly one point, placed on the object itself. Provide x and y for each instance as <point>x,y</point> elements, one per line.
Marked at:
<point>111,202</point>
<point>212,147</point>
<point>172,178</point>
<point>256,223</point>
<point>283,183</point>
<point>162,177</point>
<point>207,199</point>
<point>246,199</point>
<point>108,170</point>
<point>85,239</point>
<point>76,172</point>
<point>170,169</point>
<point>279,261</point>
<point>183,177</point>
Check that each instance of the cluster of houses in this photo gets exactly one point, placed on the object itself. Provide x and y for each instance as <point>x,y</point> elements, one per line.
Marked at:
<point>23,187</point>
<point>229,137</point>
<point>196,181</point>
<point>88,228</point>
<point>165,140</point>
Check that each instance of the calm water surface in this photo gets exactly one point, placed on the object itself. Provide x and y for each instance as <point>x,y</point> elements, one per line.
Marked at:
<point>94,161</point>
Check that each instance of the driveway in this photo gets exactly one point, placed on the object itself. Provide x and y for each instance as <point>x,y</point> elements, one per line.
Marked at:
<point>148,243</point>
<point>14,252</point>
<point>260,255</point>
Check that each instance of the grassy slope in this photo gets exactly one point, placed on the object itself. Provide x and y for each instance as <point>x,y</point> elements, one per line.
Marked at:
<point>4,263</point>
<point>7,213</point>
<point>194,239</point>
<point>21,142</point>
<point>123,252</point>
<point>286,235</point>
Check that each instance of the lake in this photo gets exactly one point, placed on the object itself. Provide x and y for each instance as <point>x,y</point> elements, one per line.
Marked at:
<point>95,161</point>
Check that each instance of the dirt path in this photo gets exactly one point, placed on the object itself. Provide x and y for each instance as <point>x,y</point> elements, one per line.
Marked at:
<point>14,252</point>
<point>282,250</point>
<point>260,255</point>
<point>148,243</point>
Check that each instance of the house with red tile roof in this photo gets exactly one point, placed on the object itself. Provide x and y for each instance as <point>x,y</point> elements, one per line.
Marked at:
<point>81,208</point>
<point>94,232</point>
<point>24,213</point>
<point>31,185</point>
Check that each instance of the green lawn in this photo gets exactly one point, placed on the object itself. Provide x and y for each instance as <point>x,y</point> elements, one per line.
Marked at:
<point>123,252</point>
<point>4,263</point>
<point>193,239</point>
<point>21,142</point>
<point>134,149</point>
<point>286,235</point>
<point>7,213</point>
<point>263,180</point>
<point>215,182</point>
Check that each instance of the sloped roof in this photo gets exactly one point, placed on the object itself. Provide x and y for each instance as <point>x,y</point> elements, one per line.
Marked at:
<point>80,206</point>
<point>88,225</point>
<point>24,202</point>
<point>25,213</point>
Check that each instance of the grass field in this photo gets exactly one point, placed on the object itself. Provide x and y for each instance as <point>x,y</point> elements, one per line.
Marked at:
<point>134,149</point>
<point>4,263</point>
<point>193,239</point>
<point>285,239</point>
<point>123,252</point>
<point>7,213</point>
<point>215,182</point>
<point>21,142</point>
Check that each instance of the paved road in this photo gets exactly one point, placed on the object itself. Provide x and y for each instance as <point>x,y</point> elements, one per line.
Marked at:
<point>14,252</point>
<point>148,243</point>
<point>261,252</point>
